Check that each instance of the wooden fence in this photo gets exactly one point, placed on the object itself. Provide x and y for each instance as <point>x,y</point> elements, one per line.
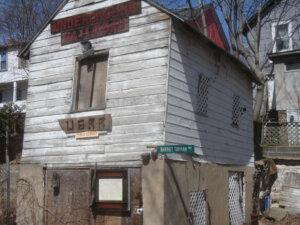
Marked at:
<point>281,134</point>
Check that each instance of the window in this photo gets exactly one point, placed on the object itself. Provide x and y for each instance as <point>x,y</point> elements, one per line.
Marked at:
<point>282,35</point>
<point>202,94</point>
<point>21,90</point>
<point>112,190</point>
<point>3,60</point>
<point>90,83</point>
<point>198,207</point>
<point>236,110</point>
<point>236,197</point>
<point>292,66</point>
<point>6,90</point>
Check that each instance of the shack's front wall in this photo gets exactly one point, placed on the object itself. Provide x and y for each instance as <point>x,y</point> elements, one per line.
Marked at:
<point>135,91</point>
<point>216,140</point>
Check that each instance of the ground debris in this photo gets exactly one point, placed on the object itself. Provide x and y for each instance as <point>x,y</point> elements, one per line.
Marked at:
<point>288,220</point>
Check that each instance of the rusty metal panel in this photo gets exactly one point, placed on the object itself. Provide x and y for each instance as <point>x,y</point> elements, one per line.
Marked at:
<point>67,197</point>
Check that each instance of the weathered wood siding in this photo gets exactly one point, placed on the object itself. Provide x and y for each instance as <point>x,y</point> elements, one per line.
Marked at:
<point>214,137</point>
<point>135,92</point>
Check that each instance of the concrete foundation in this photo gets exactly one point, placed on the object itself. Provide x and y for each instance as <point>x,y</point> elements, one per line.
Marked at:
<point>30,195</point>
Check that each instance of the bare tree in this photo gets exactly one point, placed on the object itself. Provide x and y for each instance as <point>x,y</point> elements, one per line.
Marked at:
<point>21,19</point>
<point>244,20</point>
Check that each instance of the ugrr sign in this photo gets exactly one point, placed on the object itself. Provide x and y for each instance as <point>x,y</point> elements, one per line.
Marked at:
<point>98,23</point>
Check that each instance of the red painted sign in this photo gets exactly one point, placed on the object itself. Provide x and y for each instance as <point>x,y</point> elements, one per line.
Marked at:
<point>98,23</point>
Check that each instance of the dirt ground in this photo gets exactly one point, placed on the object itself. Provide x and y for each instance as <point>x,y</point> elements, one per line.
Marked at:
<point>288,220</point>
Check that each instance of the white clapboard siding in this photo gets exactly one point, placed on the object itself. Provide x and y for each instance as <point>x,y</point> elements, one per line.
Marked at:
<point>215,139</point>
<point>135,91</point>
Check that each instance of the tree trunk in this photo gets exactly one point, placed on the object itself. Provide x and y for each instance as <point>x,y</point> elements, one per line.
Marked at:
<point>258,102</point>
<point>203,18</point>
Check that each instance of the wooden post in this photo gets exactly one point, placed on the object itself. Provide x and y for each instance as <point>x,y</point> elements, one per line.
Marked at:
<point>8,175</point>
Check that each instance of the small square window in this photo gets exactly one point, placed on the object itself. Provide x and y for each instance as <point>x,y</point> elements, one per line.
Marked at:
<point>3,61</point>
<point>90,83</point>
<point>202,103</point>
<point>112,190</point>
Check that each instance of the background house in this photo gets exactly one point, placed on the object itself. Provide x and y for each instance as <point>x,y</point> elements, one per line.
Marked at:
<point>13,75</point>
<point>280,42</point>
<point>108,82</point>
<point>13,88</point>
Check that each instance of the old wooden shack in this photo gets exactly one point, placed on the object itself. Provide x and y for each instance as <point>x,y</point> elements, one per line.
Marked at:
<point>109,81</point>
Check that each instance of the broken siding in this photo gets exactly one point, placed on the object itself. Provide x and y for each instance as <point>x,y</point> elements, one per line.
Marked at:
<point>213,135</point>
<point>135,95</point>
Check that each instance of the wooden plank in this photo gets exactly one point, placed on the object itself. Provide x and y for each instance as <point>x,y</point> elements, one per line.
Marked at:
<point>142,73</point>
<point>99,90</point>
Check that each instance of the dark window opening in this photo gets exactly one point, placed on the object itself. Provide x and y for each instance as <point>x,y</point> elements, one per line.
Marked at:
<point>3,61</point>
<point>292,66</point>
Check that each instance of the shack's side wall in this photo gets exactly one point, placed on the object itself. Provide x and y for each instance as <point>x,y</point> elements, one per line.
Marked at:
<point>215,138</point>
<point>135,94</point>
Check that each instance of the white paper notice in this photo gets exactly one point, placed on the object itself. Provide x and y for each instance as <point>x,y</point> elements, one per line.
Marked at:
<point>111,189</point>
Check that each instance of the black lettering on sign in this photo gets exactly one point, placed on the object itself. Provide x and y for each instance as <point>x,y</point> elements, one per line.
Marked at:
<point>91,123</point>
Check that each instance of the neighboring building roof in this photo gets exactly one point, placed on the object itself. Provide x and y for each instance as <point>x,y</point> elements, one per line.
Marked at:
<point>214,27</point>
<point>267,7</point>
<point>25,51</point>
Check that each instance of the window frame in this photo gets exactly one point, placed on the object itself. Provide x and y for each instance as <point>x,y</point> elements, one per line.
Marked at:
<point>6,61</point>
<point>76,84</point>
<point>274,50</point>
<point>113,205</point>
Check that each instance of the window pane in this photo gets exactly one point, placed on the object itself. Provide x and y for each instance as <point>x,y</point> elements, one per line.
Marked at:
<point>282,44</point>
<point>3,65</point>
<point>110,189</point>
<point>282,30</point>
<point>3,56</point>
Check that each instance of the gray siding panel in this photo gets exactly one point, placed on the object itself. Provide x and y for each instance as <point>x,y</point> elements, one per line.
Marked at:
<point>215,139</point>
